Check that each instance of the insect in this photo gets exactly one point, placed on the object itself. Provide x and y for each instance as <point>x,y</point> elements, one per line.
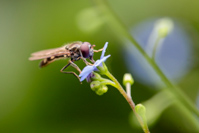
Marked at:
<point>75,51</point>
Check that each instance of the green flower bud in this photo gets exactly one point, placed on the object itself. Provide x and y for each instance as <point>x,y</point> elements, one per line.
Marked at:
<point>102,69</point>
<point>127,79</point>
<point>141,112</point>
<point>103,89</point>
<point>96,76</point>
<point>140,109</point>
<point>95,85</point>
<point>164,27</point>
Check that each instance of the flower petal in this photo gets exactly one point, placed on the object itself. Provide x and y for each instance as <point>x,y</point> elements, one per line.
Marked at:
<point>84,76</point>
<point>99,62</point>
<point>87,69</point>
<point>88,78</point>
<point>104,50</point>
<point>105,58</point>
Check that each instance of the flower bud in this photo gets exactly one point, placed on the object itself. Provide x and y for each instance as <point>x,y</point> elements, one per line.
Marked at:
<point>96,76</point>
<point>141,112</point>
<point>102,69</point>
<point>103,89</point>
<point>127,79</point>
<point>93,76</point>
<point>140,109</point>
<point>95,85</point>
<point>164,27</point>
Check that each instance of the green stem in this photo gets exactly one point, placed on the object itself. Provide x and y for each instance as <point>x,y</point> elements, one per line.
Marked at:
<point>155,47</point>
<point>128,99</point>
<point>128,89</point>
<point>117,24</point>
<point>109,82</point>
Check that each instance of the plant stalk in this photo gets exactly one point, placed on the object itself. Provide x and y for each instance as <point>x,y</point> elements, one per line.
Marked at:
<point>129,100</point>
<point>117,24</point>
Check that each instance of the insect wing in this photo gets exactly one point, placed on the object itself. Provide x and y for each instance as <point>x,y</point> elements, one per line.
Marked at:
<point>49,53</point>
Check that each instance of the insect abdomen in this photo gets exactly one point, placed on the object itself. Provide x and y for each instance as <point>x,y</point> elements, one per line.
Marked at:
<point>49,60</point>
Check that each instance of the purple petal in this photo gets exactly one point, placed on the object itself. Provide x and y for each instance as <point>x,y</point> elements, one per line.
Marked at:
<point>83,77</point>
<point>99,62</point>
<point>86,70</point>
<point>104,50</point>
<point>105,58</point>
<point>88,78</point>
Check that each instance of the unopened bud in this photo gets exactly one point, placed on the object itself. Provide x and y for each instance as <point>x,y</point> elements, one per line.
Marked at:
<point>102,90</point>
<point>140,109</point>
<point>95,85</point>
<point>99,88</point>
<point>93,77</point>
<point>141,112</point>
<point>164,27</point>
<point>127,79</point>
<point>96,76</point>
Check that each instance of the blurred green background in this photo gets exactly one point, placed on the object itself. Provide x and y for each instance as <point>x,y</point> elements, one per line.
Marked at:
<point>45,100</point>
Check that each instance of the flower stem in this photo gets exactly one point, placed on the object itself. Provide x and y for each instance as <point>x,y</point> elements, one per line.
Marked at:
<point>128,99</point>
<point>109,82</point>
<point>118,25</point>
<point>128,89</point>
<point>157,42</point>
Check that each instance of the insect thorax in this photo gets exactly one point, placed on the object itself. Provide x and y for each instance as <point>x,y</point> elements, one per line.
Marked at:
<point>73,46</point>
<point>74,49</point>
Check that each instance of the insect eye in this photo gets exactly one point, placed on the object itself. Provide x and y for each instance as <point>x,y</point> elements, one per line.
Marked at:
<point>85,49</point>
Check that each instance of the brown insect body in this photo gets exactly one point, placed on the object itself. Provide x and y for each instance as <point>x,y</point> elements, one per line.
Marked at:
<point>75,51</point>
<point>49,60</point>
<point>50,55</point>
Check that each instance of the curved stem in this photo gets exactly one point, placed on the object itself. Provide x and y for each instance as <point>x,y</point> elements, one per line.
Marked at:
<point>109,82</point>
<point>129,100</point>
<point>118,25</point>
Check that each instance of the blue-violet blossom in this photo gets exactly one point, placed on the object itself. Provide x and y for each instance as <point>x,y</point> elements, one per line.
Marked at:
<point>89,69</point>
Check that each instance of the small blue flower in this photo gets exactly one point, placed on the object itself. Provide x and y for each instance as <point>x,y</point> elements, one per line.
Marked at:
<point>89,69</point>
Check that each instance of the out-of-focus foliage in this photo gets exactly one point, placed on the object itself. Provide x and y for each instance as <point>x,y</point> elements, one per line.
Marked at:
<point>45,100</point>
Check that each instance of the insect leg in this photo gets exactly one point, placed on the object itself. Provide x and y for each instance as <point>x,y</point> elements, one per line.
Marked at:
<point>85,61</point>
<point>70,72</point>
<point>75,66</point>
<point>92,60</point>
<point>98,50</point>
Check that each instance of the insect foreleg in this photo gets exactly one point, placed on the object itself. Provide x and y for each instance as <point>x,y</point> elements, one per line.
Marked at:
<point>92,60</point>
<point>70,72</point>
<point>98,50</point>
<point>75,66</point>
<point>85,61</point>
